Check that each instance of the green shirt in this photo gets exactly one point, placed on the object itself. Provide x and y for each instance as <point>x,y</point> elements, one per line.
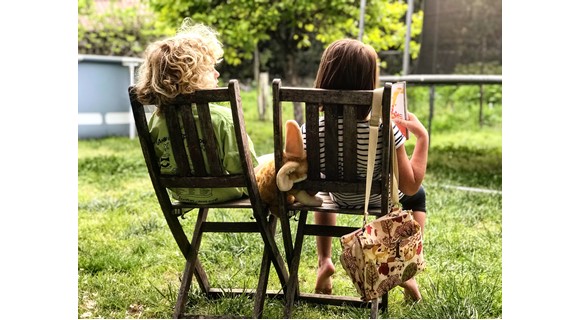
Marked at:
<point>223,125</point>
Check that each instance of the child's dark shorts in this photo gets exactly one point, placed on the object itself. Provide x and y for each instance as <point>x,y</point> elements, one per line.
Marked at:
<point>415,202</point>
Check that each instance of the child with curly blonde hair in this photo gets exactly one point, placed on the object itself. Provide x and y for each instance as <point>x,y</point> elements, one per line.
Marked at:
<point>183,64</point>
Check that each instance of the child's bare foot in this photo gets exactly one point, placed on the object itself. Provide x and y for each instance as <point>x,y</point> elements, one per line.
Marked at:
<point>411,290</point>
<point>323,277</point>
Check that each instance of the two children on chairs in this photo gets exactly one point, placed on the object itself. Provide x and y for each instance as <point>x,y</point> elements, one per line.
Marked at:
<point>186,62</point>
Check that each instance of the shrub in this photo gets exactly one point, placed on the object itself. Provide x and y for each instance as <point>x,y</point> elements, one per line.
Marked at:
<point>118,30</point>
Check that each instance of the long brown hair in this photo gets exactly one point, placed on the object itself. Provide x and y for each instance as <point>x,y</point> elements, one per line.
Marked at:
<point>348,64</point>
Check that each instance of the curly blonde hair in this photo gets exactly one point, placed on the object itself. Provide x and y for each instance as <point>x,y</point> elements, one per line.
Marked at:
<point>179,65</point>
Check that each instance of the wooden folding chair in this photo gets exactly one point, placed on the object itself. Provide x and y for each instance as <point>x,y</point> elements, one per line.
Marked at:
<point>339,178</point>
<point>185,135</point>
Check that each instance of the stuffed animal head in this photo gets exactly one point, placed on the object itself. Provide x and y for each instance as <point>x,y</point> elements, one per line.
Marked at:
<point>294,169</point>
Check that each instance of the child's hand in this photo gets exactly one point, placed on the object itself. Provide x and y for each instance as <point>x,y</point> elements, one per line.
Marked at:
<point>413,124</point>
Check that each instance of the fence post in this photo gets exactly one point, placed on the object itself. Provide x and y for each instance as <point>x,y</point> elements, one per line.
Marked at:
<point>480,105</point>
<point>263,97</point>
<point>431,109</point>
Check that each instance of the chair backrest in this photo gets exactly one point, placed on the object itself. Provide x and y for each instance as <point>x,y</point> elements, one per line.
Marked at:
<point>191,140</point>
<point>339,177</point>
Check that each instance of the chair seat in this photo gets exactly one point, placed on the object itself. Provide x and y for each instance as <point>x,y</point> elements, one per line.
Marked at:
<point>244,203</point>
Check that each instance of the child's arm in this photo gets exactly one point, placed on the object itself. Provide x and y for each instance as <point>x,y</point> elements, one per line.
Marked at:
<point>412,171</point>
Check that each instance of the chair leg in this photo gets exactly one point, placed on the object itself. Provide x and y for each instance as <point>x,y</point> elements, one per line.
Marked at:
<point>287,237</point>
<point>374,308</point>
<point>292,288</point>
<point>385,304</point>
<point>201,277</point>
<point>183,289</point>
<point>260,296</point>
<point>272,249</point>
<point>288,244</point>
<point>184,246</point>
<point>190,265</point>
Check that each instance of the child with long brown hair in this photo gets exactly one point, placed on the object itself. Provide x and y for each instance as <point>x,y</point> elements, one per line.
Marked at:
<point>349,64</point>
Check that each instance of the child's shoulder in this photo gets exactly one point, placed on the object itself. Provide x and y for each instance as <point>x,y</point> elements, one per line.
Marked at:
<point>220,112</point>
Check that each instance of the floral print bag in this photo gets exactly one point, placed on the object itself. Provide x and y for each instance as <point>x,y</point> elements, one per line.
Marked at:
<point>385,253</point>
<point>389,250</point>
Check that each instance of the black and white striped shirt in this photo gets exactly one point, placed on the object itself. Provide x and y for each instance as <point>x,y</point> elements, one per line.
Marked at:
<point>356,200</point>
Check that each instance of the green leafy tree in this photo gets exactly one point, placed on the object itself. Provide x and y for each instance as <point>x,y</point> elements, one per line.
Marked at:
<point>117,31</point>
<point>290,26</point>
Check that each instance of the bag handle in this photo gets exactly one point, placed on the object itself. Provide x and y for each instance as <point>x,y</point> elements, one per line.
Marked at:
<point>372,152</point>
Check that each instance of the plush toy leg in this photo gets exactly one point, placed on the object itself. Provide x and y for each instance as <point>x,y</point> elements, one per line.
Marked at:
<point>308,200</point>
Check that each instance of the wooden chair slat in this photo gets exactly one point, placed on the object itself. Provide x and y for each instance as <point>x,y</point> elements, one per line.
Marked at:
<point>209,140</point>
<point>176,138</point>
<point>277,119</point>
<point>331,145</point>
<point>318,96</point>
<point>204,96</point>
<point>312,141</point>
<point>349,146</point>
<point>192,139</point>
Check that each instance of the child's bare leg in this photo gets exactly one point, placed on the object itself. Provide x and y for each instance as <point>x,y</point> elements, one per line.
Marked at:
<point>411,289</point>
<point>420,217</point>
<point>324,248</point>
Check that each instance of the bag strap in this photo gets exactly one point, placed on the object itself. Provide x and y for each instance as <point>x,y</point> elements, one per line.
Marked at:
<point>394,172</point>
<point>372,152</point>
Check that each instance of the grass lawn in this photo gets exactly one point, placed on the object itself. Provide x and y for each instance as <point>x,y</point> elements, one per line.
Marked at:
<point>130,267</point>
